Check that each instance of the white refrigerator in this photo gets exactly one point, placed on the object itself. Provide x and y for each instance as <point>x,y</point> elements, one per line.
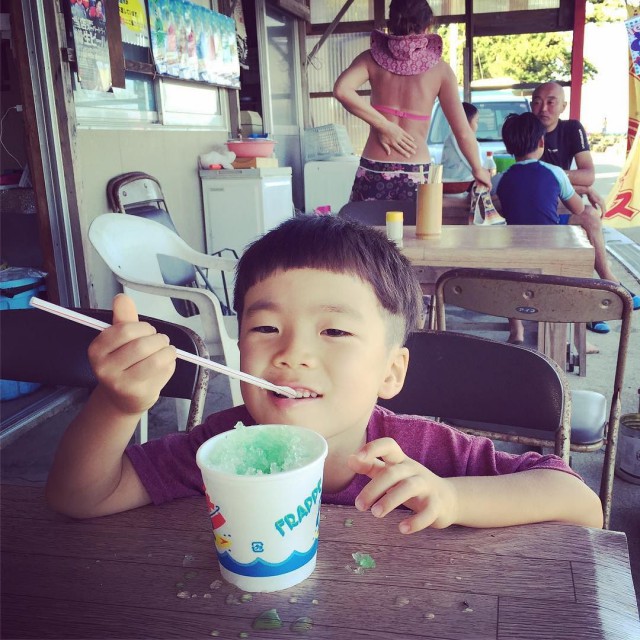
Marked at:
<point>329,182</point>
<point>240,205</point>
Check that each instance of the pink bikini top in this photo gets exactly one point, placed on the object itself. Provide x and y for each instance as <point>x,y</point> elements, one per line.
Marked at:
<point>400,114</point>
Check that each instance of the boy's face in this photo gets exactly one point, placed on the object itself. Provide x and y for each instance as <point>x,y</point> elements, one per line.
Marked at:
<point>473,123</point>
<point>324,334</point>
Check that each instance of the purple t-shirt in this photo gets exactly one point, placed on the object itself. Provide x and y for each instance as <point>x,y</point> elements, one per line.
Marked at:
<point>167,466</point>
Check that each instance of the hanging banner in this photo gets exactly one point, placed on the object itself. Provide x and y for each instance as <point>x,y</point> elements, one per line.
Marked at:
<point>89,25</point>
<point>623,203</point>
<point>194,43</point>
<point>241,34</point>
<point>133,22</point>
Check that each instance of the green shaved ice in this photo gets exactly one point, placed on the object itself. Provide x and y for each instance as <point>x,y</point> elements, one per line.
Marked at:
<point>364,560</point>
<point>268,620</point>
<point>248,451</point>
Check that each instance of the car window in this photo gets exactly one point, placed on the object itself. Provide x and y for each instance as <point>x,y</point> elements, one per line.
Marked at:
<point>439,129</point>
<point>492,117</point>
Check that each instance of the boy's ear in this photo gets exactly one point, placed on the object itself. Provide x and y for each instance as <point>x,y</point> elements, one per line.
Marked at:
<point>396,373</point>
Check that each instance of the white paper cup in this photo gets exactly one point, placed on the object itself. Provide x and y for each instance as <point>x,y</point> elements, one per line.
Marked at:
<point>265,526</point>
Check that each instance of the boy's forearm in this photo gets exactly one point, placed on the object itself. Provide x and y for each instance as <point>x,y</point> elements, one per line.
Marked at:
<point>539,495</point>
<point>90,475</point>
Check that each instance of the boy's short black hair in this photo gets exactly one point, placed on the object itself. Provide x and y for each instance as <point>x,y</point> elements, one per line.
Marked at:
<point>521,133</point>
<point>470,110</point>
<point>338,245</point>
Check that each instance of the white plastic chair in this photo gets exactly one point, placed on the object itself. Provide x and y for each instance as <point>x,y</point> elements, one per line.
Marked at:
<point>131,245</point>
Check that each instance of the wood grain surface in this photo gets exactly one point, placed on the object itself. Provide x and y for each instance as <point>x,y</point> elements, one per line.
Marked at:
<point>560,250</point>
<point>120,576</point>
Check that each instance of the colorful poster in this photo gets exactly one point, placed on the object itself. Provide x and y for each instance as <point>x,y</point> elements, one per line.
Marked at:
<point>623,203</point>
<point>194,43</point>
<point>633,33</point>
<point>89,24</point>
<point>133,22</point>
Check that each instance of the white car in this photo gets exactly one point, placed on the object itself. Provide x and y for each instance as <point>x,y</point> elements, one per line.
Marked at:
<point>493,107</point>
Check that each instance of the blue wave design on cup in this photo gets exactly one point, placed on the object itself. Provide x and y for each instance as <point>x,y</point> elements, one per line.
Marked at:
<point>260,568</point>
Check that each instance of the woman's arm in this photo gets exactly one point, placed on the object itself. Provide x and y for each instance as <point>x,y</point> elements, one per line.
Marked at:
<point>453,111</point>
<point>390,135</point>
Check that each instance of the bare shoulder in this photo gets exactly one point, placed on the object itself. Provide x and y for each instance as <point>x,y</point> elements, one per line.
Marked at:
<point>364,59</point>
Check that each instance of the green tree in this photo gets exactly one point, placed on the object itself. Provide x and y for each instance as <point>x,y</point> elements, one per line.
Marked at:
<point>606,11</point>
<point>534,57</point>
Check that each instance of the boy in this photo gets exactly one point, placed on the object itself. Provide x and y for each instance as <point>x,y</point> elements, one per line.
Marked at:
<point>455,167</point>
<point>324,306</point>
<point>529,190</point>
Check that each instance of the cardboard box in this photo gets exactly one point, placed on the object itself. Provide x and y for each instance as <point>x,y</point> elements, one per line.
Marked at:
<point>254,163</point>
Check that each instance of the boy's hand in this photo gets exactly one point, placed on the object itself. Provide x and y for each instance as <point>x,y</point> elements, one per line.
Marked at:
<point>131,360</point>
<point>397,479</point>
<point>596,201</point>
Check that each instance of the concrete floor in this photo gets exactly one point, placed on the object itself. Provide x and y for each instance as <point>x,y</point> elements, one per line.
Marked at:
<point>28,459</point>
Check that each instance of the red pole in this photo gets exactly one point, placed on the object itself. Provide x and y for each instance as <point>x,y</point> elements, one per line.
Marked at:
<point>577,57</point>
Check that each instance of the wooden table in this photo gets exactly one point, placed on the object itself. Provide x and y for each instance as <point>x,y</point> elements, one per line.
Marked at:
<point>120,576</point>
<point>562,250</point>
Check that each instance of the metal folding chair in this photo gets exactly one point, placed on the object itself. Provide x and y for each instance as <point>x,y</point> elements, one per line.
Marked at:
<point>374,212</point>
<point>467,380</point>
<point>556,299</point>
<point>40,347</point>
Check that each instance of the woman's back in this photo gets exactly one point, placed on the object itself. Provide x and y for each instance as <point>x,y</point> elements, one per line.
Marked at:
<point>414,95</point>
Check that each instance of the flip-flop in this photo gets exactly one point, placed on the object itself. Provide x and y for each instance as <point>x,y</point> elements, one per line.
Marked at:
<point>635,298</point>
<point>599,326</point>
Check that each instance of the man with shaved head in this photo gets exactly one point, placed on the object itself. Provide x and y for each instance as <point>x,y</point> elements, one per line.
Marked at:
<point>564,142</point>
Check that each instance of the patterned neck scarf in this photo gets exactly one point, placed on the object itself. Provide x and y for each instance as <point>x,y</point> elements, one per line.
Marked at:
<point>406,55</point>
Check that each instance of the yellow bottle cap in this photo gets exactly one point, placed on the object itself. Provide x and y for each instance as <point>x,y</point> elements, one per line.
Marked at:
<point>394,216</point>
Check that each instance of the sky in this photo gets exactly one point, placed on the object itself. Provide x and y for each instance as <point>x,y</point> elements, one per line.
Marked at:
<point>606,46</point>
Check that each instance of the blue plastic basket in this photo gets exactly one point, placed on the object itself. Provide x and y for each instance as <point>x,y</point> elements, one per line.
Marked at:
<point>16,294</point>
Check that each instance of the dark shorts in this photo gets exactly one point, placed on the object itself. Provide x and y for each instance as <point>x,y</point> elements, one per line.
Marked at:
<point>377,180</point>
<point>564,218</point>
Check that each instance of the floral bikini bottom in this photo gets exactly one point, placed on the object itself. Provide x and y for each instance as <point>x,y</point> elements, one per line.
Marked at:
<point>378,180</point>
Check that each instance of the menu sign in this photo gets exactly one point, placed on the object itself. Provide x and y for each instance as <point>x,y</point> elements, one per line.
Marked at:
<point>89,25</point>
<point>133,22</point>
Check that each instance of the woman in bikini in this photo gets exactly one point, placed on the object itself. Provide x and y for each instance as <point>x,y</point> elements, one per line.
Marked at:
<point>406,73</point>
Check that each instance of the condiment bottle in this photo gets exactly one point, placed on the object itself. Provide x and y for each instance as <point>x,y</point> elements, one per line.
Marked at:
<point>395,226</point>
<point>490,164</point>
